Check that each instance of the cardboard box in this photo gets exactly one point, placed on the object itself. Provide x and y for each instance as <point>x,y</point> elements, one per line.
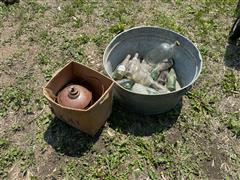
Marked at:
<point>88,120</point>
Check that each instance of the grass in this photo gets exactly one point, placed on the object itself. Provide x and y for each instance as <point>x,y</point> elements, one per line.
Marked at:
<point>199,139</point>
<point>3,142</point>
<point>234,123</point>
<point>8,158</point>
<point>230,84</point>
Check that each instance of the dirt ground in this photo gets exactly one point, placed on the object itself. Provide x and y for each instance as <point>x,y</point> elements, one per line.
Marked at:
<point>198,139</point>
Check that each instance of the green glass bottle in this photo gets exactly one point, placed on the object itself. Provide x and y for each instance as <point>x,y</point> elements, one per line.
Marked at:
<point>171,80</point>
<point>126,83</point>
<point>163,66</point>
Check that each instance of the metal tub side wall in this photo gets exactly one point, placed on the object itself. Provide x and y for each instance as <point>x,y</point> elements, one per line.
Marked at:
<point>188,65</point>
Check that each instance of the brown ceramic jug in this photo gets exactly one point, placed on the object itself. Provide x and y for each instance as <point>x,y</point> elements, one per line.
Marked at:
<point>74,96</point>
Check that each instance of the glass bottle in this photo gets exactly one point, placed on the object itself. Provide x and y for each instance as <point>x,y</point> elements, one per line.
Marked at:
<point>126,83</point>
<point>145,65</point>
<point>162,78</point>
<point>120,70</point>
<point>161,52</point>
<point>171,80</point>
<point>133,66</point>
<point>137,73</point>
<point>141,89</point>
<point>159,87</point>
<point>163,66</point>
<point>143,77</point>
<point>178,86</point>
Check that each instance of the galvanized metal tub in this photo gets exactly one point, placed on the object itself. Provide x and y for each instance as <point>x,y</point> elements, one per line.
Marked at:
<point>187,64</point>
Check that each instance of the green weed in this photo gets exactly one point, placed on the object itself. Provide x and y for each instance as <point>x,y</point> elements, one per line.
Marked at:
<point>5,11</point>
<point>234,123</point>
<point>7,158</point>
<point>14,98</point>
<point>31,11</point>
<point>28,160</point>
<point>44,120</point>
<point>201,101</point>
<point>47,65</point>
<point>74,47</point>
<point>101,39</point>
<point>78,22</point>
<point>229,83</point>
<point>70,12</point>
<point>45,37</point>
<point>117,28</point>
<point>84,6</point>
<point>3,143</point>
<point>152,175</point>
<point>165,21</point>
<point>71,170</point>
<point>16,127</point>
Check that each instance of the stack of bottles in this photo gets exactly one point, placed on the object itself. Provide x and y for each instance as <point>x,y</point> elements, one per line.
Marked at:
<point>152,75</point>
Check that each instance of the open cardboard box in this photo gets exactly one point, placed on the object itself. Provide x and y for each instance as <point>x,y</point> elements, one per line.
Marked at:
<point>88,120</point>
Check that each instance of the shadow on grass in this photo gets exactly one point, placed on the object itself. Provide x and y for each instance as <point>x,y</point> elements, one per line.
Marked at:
<point>142,125</point>
<point>232,52</point>
<point>72,142</point>
<point>68,140</point>
<point>232,56</point>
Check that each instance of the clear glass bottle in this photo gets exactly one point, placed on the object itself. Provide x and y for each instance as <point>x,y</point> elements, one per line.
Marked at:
<point>141,89</point>
<point>178,86</point>
<point>133,66</point>
<point>137,72</point>
<point>121,69</point>
<point>145,65</point>
<point>161,52</point>
<point>143,77</point>
<point>159,87</point>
